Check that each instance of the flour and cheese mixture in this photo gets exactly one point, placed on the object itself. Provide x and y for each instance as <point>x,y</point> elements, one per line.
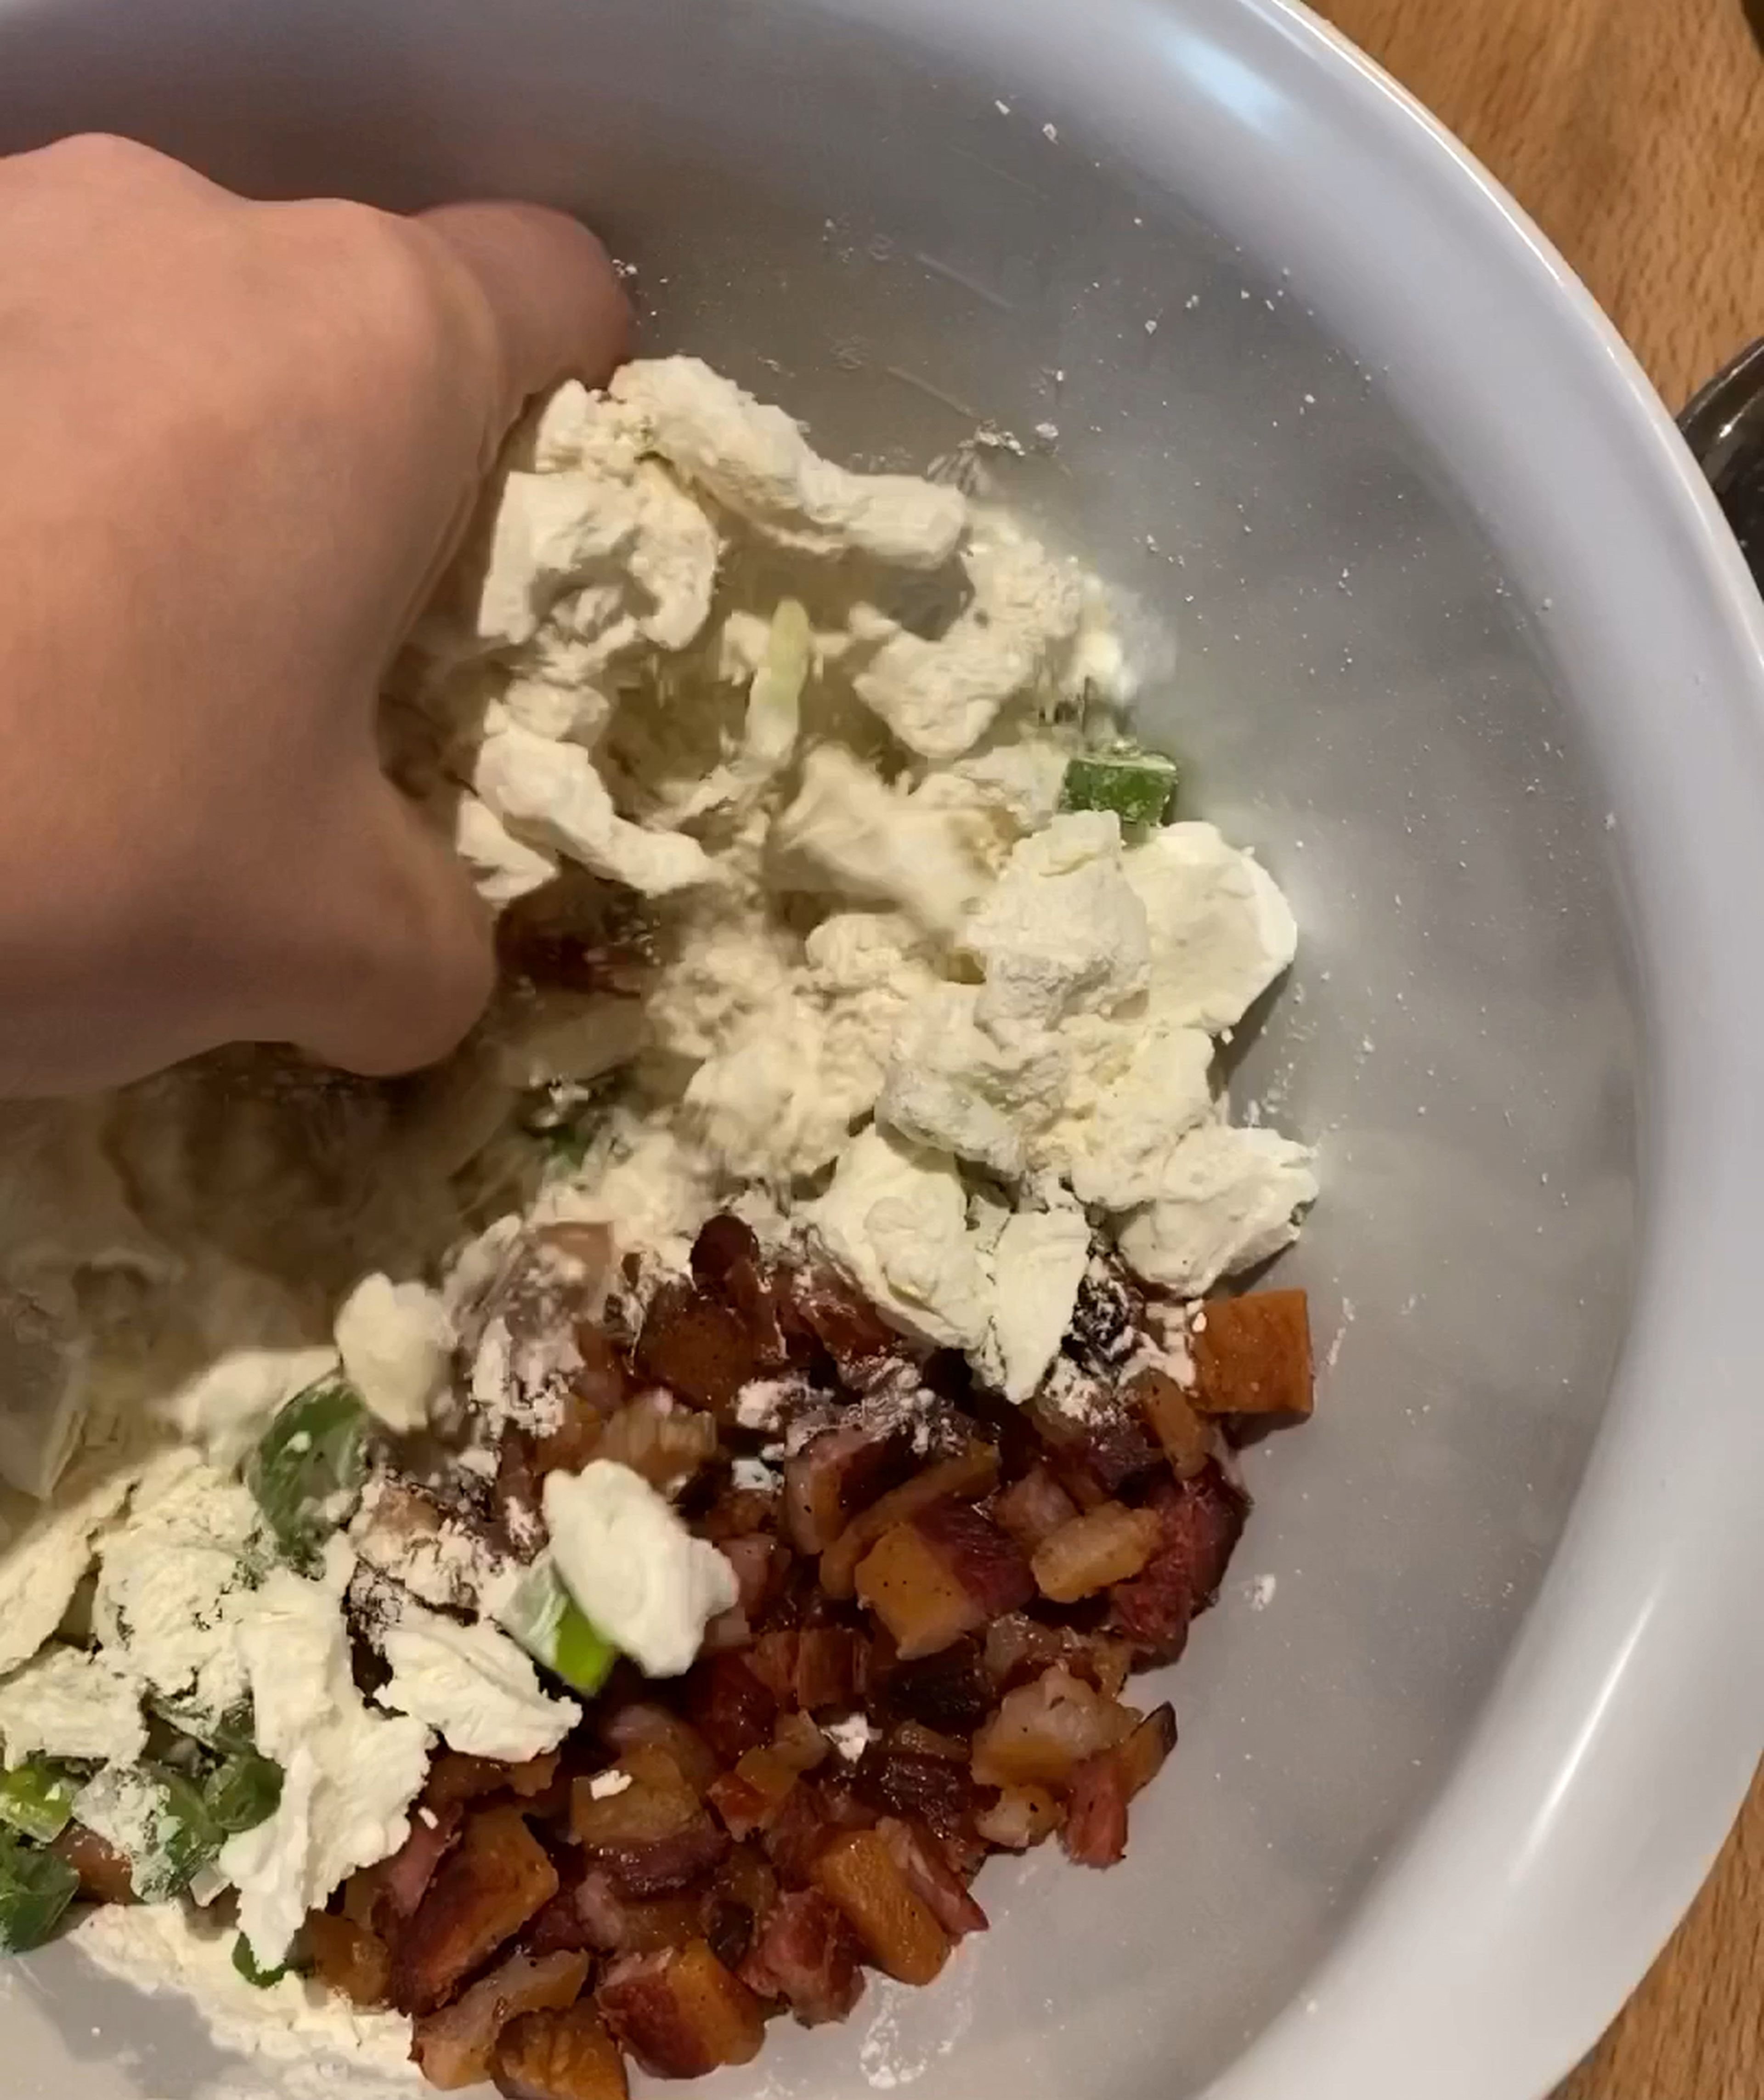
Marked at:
<point>587,1549</point>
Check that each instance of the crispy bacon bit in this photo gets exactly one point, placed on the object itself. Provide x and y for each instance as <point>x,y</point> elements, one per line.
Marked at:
<point>800,1743</point>
<point>655,1836</point>
<point>1200,1522</point>
<point>1107,1544</point>
<point>758,1561</point>
<point>1033,1508</point>
<point>484,1893</point>
<point>680,2013</point>
<point>1042,1731</point>
<point>1095,1833</point>
<point>637,1723</point>
<point>966,1476</point>
<point>105,1876</point>
<point>806,1955</point>
<point>937,1789</point>
<point>1021,1816</point>
<point>950,1691</point>
<point>455,1778</point>
<point>560,2056</point>
<point>729,1705</point>
<point>613,1923</point>
<point>826,1671</point>
<point>750,1796</point>
<point>727,1262</point>
<point>666,1443</point>
<point>842,1321</point>
<point>840,1472</point>
<point>595,1392</point>
<point>354,1963</point>
<point>1252,1356</point>
<point>1096,1830</point>
<point>930,1876</point>
<point>1187,1437</point>
<point>942,1575</point>
<point>696,1348</point>
<point>857,1873</point>
<point>1019,1648</point>
<point>794,1839</point>
<point>455,2047</point>
<point>1105,1447</point>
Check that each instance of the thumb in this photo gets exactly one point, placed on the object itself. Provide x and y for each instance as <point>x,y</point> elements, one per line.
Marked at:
<point>394,959</point>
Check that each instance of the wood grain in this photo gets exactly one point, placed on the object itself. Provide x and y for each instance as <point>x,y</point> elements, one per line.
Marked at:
<point>1632,131</point>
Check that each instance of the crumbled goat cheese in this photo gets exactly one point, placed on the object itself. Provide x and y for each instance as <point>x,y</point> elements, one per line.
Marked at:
<point>226,1407</point>
<point>439,1555</point>
<point>349,1776</point>
<point>603,1786</point>
<point>473,1686</point>
<point>1039,1264</point>
<point>69,1703</point>
<point>175,1576</point>
<point>43,1566</point>
<point>632,1566</point>
<point>129,1810</point>
<point>395,1341</point>
<point>1228,1198</point>
<point>1221,932</point>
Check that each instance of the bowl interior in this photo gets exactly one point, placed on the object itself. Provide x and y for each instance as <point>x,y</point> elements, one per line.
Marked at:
<point>908,248</point>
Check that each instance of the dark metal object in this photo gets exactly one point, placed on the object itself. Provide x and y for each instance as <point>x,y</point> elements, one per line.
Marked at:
<point>1724,427</point>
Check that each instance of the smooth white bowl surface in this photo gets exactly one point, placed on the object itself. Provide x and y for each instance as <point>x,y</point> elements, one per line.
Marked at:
<point>1466,650</point>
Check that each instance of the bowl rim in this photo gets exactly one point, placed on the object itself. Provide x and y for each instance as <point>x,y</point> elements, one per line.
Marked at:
<point>1618,1742</point>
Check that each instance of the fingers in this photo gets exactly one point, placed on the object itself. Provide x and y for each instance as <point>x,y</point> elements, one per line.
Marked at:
<point>393,958</point>
<point>555,300</point>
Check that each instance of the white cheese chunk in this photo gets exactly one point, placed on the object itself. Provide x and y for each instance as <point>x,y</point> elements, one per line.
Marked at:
<point>174,1578</point>
<point>43,1566</point>
<point>396,1342</point>
<point>1039,1262</point>
<point>349,1776</point>
<point>550,792</point>
<point>895,1219</point>
<point>1229,1199</point>
<point>753,460</point>
<point>69,1704</point>
<point>1221,932</point>
<point>631,1563</point>
<point>473,1687</point>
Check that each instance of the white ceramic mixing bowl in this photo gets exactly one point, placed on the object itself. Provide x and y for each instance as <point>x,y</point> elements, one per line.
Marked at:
<point>1466,651</point>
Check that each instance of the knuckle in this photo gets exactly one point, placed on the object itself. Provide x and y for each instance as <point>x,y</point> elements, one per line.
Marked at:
<point>108,153</point>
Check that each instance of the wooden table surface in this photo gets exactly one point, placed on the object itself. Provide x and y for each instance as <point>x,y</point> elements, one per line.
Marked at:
<point>1632,131</point>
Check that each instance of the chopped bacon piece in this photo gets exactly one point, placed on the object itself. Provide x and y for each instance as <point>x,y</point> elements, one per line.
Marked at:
<point>455,1778</point>
<point>354,1963</point>
<point>1042,1731</point>
<point>757,1561</point>
<point>637,1722</point>
<point>1019,1648</point>
<point>560,1928</point>
<point>937,1789</point>
<point>842,1321</point>
<point>929,1876</point>
<point>615,1923</point>
<point>807,1954</point>
<point>727,1631</point>
<point>800,1743</point>
<point>484,1893</point>
<point>826,1672</point>
<point>1107,1443</point>
<point>1033,1508</point>
<point>838,1473</point>
<point>560,2056</point>
<point>402,1881</point>
<point>966,1475</point>
<point>696,1348</point>
<point>1109,1544</point>
<point>950,1691</point>
<point>1095,1833</point>
<point>1096,1829</point>
<point>1021,1816</point>
<point>664,1442</point>
<point>794,1839</point>
<point>729,1705</point>
<point>750,1794</point>
<point>944,1574</point>
<point>727,1262</point>
<point>899,1931</point>
<point>1252,1355</point>
<point>1200,1522</point>
<point>457,2047</point>
<point>595,1392</point>
<point>680,2013</point>
<point>653,1837</point>
<point>105,1872</point>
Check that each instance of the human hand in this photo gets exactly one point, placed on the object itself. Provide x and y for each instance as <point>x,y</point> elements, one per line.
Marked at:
<point>241,441</point>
